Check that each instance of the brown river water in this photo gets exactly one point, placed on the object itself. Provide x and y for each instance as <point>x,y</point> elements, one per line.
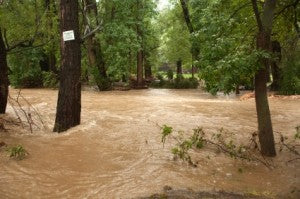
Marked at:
<point>117,152</point>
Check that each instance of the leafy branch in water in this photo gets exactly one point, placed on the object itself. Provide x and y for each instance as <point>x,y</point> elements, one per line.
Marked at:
<point>199,139</point>
<point>290,145</point>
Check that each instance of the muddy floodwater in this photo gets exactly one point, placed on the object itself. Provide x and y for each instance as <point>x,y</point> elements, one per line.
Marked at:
<point>117,152</point>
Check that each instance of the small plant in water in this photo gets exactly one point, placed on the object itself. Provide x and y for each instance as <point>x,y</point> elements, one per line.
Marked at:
<point>166,130</point>
<point>17,152</point>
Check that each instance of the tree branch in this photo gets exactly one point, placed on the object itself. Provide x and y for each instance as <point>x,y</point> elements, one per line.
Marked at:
<point>286,7</point>
<point>26,43</point>
<point>90,33</point>
<point>257,16</point>
<point>5,38</point>
<point>238,9</point>
<point>186,15</point>
<point>26,47</point>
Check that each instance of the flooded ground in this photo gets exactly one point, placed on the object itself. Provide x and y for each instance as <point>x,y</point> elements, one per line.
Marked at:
<point>117,152</point>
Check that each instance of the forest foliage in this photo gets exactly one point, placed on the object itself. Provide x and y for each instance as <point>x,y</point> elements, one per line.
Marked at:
<point>224,32</point>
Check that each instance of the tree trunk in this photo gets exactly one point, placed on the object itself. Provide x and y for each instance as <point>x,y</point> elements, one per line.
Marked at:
<point>140,68</point>
<point>140,56</point>
<point>51,59</point>
<point>95,56</point>
<point>3,75</point>
<point>179,67</point>
<point>52,62</point>
<point>69,96</point>
<point>266,137</point>
<point>193,69</point>
<point>148,69</point>
<point>237,89</point>
<point>276,48</point>
<point>296,18</point>
<point>195,57</point>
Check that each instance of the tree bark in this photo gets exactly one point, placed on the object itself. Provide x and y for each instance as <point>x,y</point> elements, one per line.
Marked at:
<point>237,90</point>
<point>276,48</point>
<point>179,67</point>
<point>266,137</point>
<point>140,68</point>
<point>3,75</point>
<point>95,56</point>
<point>69,96</point>
<point>147,68</point>
<point>51,59</point>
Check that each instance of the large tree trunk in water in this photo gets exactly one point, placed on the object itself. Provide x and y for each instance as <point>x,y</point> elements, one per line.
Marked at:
<point>266,137</point>
<point>3,75</point>
<point>140,69</point>
<point>69,96</point>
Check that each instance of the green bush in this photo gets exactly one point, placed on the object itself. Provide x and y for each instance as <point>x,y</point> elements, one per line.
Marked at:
<point>170,74</point>
<point>177,83</point>
<point>159,76</point>
<point>183,83</point>
<point>161,82</point>
<point>103,83</point>
<point>25,69</point>
<point>50,79</point>
<point>290,79</point>
<point>29,79</point>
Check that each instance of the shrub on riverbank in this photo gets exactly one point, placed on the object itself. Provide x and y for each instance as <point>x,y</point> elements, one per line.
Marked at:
<point>178,83</point>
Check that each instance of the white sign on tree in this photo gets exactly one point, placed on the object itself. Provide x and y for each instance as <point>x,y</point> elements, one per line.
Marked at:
<point>68,35</point>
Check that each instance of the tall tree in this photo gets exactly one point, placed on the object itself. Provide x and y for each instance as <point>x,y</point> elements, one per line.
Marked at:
<point>176,43</point>
<point>14,36</point>
<point>94,49</point>
<point>263,42</point>
<point>69,96</point>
